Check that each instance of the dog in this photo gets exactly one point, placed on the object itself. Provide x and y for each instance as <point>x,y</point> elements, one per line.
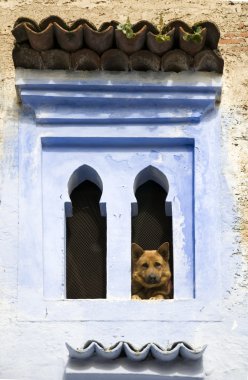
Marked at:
<point>151,274</point>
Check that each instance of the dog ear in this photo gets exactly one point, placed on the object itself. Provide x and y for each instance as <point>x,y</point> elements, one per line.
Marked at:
<point>164,251</point>
<point>137,251</point>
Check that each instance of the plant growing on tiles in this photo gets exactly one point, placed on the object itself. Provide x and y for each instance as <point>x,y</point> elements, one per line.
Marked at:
<point>193,42</point>
<point>195,37</point>
<point>127,40</point>
<point>162,37</point>
<point>126,28</point>
<point>161,42</point>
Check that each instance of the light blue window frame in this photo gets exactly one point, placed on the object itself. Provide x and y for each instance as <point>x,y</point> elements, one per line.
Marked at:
<point>119,124</point>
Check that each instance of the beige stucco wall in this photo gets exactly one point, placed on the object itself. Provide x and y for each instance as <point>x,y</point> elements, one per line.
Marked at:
<point>231,17</point>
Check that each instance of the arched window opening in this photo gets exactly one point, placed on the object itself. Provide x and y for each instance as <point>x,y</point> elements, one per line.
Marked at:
<point>85,240</point>
<point>152,224</point>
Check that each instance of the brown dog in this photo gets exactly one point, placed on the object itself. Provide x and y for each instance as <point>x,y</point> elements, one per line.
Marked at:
<point>151,275</point>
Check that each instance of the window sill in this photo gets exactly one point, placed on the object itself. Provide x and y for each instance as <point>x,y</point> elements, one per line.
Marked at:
<point>120,310</point>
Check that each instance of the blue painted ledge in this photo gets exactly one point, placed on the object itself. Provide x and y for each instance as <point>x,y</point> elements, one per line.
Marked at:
<point>123,99</point>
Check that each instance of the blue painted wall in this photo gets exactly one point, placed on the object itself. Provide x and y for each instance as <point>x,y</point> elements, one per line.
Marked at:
<point>173,124</point>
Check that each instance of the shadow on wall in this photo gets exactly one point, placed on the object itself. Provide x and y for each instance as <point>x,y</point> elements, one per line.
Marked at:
<point>176,369</point>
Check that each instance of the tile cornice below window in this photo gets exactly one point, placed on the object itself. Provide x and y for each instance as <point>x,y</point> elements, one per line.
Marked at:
<point>122,360</point>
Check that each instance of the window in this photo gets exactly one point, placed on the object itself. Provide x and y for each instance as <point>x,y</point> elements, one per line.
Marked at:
<point>175,154</point>
<point>85,236</point>
<point>86,227</point>
<point>86,245</point>
<point>152,224</point>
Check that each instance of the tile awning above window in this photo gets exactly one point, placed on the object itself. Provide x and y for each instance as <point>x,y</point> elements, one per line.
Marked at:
<point>120,349</point>
<point>53,44</point>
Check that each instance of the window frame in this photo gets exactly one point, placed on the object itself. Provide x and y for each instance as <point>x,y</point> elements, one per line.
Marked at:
<point>34,137</point>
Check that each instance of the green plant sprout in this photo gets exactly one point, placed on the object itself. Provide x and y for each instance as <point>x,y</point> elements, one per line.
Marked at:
<point>127,29</point>
<point>160,37</point>
<point>195,37</point>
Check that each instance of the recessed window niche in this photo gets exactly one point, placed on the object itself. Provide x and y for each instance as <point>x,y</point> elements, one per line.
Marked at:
<point>152,219</point>
<point>167,165</point>
<point>85,237</point>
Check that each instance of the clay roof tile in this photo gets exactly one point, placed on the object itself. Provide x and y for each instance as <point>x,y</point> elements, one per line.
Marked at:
<point>79,45</point>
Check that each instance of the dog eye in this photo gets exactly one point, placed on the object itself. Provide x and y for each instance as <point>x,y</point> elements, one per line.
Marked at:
<point>157,265</point>
<point>145,265</point>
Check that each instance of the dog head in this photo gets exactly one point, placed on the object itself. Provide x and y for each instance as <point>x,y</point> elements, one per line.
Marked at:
<point>151,268</point>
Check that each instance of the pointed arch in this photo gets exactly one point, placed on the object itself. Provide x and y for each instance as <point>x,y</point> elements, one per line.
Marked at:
<point>151,173</point>
<point>81,174</point>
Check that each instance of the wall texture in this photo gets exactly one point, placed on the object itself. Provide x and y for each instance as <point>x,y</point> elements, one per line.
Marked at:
<point>36,350</point>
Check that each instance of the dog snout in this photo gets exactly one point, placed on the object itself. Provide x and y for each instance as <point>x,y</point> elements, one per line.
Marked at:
<point>152,278</point>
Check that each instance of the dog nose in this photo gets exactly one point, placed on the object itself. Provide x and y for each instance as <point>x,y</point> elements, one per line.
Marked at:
<point>152,278</point>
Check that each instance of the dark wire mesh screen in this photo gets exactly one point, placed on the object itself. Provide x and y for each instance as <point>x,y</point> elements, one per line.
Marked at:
<point>86,245</point>
<point>152,227</point>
